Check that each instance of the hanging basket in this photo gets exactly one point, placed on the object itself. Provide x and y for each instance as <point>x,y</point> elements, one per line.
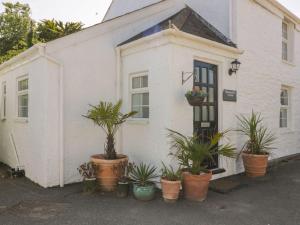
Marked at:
<point>195,100</point>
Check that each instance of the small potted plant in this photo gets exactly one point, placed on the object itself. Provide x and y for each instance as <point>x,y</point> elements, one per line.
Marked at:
<point>170,183</point>
<point>124,180</point>
<point>192,156</point>
<point>256,150</point>
<point>109,117</point>
<point>87,171</point>
<point>196,96</point>
<point>143,186</point>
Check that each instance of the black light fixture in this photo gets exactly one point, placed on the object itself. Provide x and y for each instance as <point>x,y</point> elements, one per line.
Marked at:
<point>235,66</point>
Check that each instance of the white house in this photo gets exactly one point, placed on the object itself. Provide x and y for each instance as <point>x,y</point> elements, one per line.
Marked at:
<point>144,53</point>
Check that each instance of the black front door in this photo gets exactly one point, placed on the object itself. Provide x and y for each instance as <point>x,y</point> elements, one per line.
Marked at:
<point>206,116</point>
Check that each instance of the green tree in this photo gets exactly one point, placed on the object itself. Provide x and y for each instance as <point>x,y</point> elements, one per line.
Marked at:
<point>48,30</point>
<point>15,25</point>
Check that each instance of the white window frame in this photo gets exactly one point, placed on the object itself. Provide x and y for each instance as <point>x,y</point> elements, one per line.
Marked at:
<point>19,93</point>
<point>138,91</point>
<point>4,101</point>
<point>289,41</point>
<point>286,107</point>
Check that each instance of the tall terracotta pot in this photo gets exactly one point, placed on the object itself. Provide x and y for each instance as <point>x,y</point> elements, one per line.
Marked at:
<point>108,171</point>
<point>255,165</point>
<point>170,190</point>
<point>195,187</point>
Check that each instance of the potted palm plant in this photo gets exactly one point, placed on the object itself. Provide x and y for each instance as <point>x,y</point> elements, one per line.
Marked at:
<point>143,186</point>
<point>196,96</point>
<point>87,171</point>
<point>170,183</point>
<point>109,117</point>
<point>192,156</point>
<point>256,150</point>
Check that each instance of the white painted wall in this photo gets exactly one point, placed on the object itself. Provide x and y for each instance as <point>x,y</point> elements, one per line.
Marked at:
<point>262,72</point>
<point>165,58</point>
<point>35,138</point>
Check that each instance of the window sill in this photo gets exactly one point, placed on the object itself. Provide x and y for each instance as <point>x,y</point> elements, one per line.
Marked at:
<point>138,121</point>
<point>21,120</point>
<point>288,62</point>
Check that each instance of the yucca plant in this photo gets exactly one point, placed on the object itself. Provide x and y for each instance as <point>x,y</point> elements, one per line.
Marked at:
<point>109,117</point>
<point>143,174</point>
<point>192,154</point>
<point>259,138</point>
<point>170,174</point>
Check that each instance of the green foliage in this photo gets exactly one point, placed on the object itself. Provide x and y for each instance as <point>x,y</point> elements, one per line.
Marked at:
<point>15,24</point>
<point>170,174</point>
<point>109,117</point>
<point>259,138</point>
<point>18,31</point>
<point>193,154</point>
<point>48,30</point>
<point>143,174</point>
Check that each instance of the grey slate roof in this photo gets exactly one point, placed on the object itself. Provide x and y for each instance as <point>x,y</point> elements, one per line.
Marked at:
<point>187,21</point>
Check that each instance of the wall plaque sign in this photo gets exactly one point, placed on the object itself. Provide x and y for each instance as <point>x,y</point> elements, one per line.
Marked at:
<point>229,95</point>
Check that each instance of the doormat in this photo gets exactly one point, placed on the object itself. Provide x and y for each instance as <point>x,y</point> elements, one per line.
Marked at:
<point>224,186</point>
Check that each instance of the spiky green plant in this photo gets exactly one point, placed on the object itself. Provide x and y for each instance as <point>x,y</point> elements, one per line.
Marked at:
<point>169,173</point>
<point>143,174</point>
<point>192,154</point>
<point>109,117</point>
<point>259,139</point>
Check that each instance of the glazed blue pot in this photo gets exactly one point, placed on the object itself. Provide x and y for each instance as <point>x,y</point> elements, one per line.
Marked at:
<point>144,193</point>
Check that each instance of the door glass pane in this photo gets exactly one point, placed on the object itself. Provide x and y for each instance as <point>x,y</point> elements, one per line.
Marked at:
<point>204,76</point>
<point>204,113</point>
<point>211,77</point>
<point>211,95</point>
<point>197,113</point>
<point>197,74</point>
<point>205,90</point>
<point>211,113</point>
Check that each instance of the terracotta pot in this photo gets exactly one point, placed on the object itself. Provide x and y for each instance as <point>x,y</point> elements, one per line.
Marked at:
<point>108,171</point>
<point>195,187</point>
<point>170,190</point>
<point>255,165</point>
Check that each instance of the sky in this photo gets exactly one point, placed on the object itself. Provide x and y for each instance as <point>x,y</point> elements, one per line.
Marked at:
<point>92,11</point>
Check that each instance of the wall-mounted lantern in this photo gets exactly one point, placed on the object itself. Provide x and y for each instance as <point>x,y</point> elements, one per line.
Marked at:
<point>235,66</point>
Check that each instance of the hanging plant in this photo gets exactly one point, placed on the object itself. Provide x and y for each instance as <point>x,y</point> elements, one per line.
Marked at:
<point>196,96</point>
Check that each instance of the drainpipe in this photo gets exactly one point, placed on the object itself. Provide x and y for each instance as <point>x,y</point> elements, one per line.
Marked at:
<point>61,113</point>
<point>119,96</point>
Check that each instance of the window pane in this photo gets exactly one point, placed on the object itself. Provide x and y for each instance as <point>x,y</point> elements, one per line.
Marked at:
<point>23,106</point>
<point>136,82</point>
<point>205,90</point>
<point>284,51</point>
<point>284,30</point>
<point>4,106</point>
<point>204,75</point>
<point>4,89</point>
<point>145,112</point>
<point>211,77</point>
<point>137,109</point>
<point>144,81</point>
<point>284,97</point>
<point>145,101</point>
<point>136,100</point>
<point>283,118</point>
<point>23,85</point>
